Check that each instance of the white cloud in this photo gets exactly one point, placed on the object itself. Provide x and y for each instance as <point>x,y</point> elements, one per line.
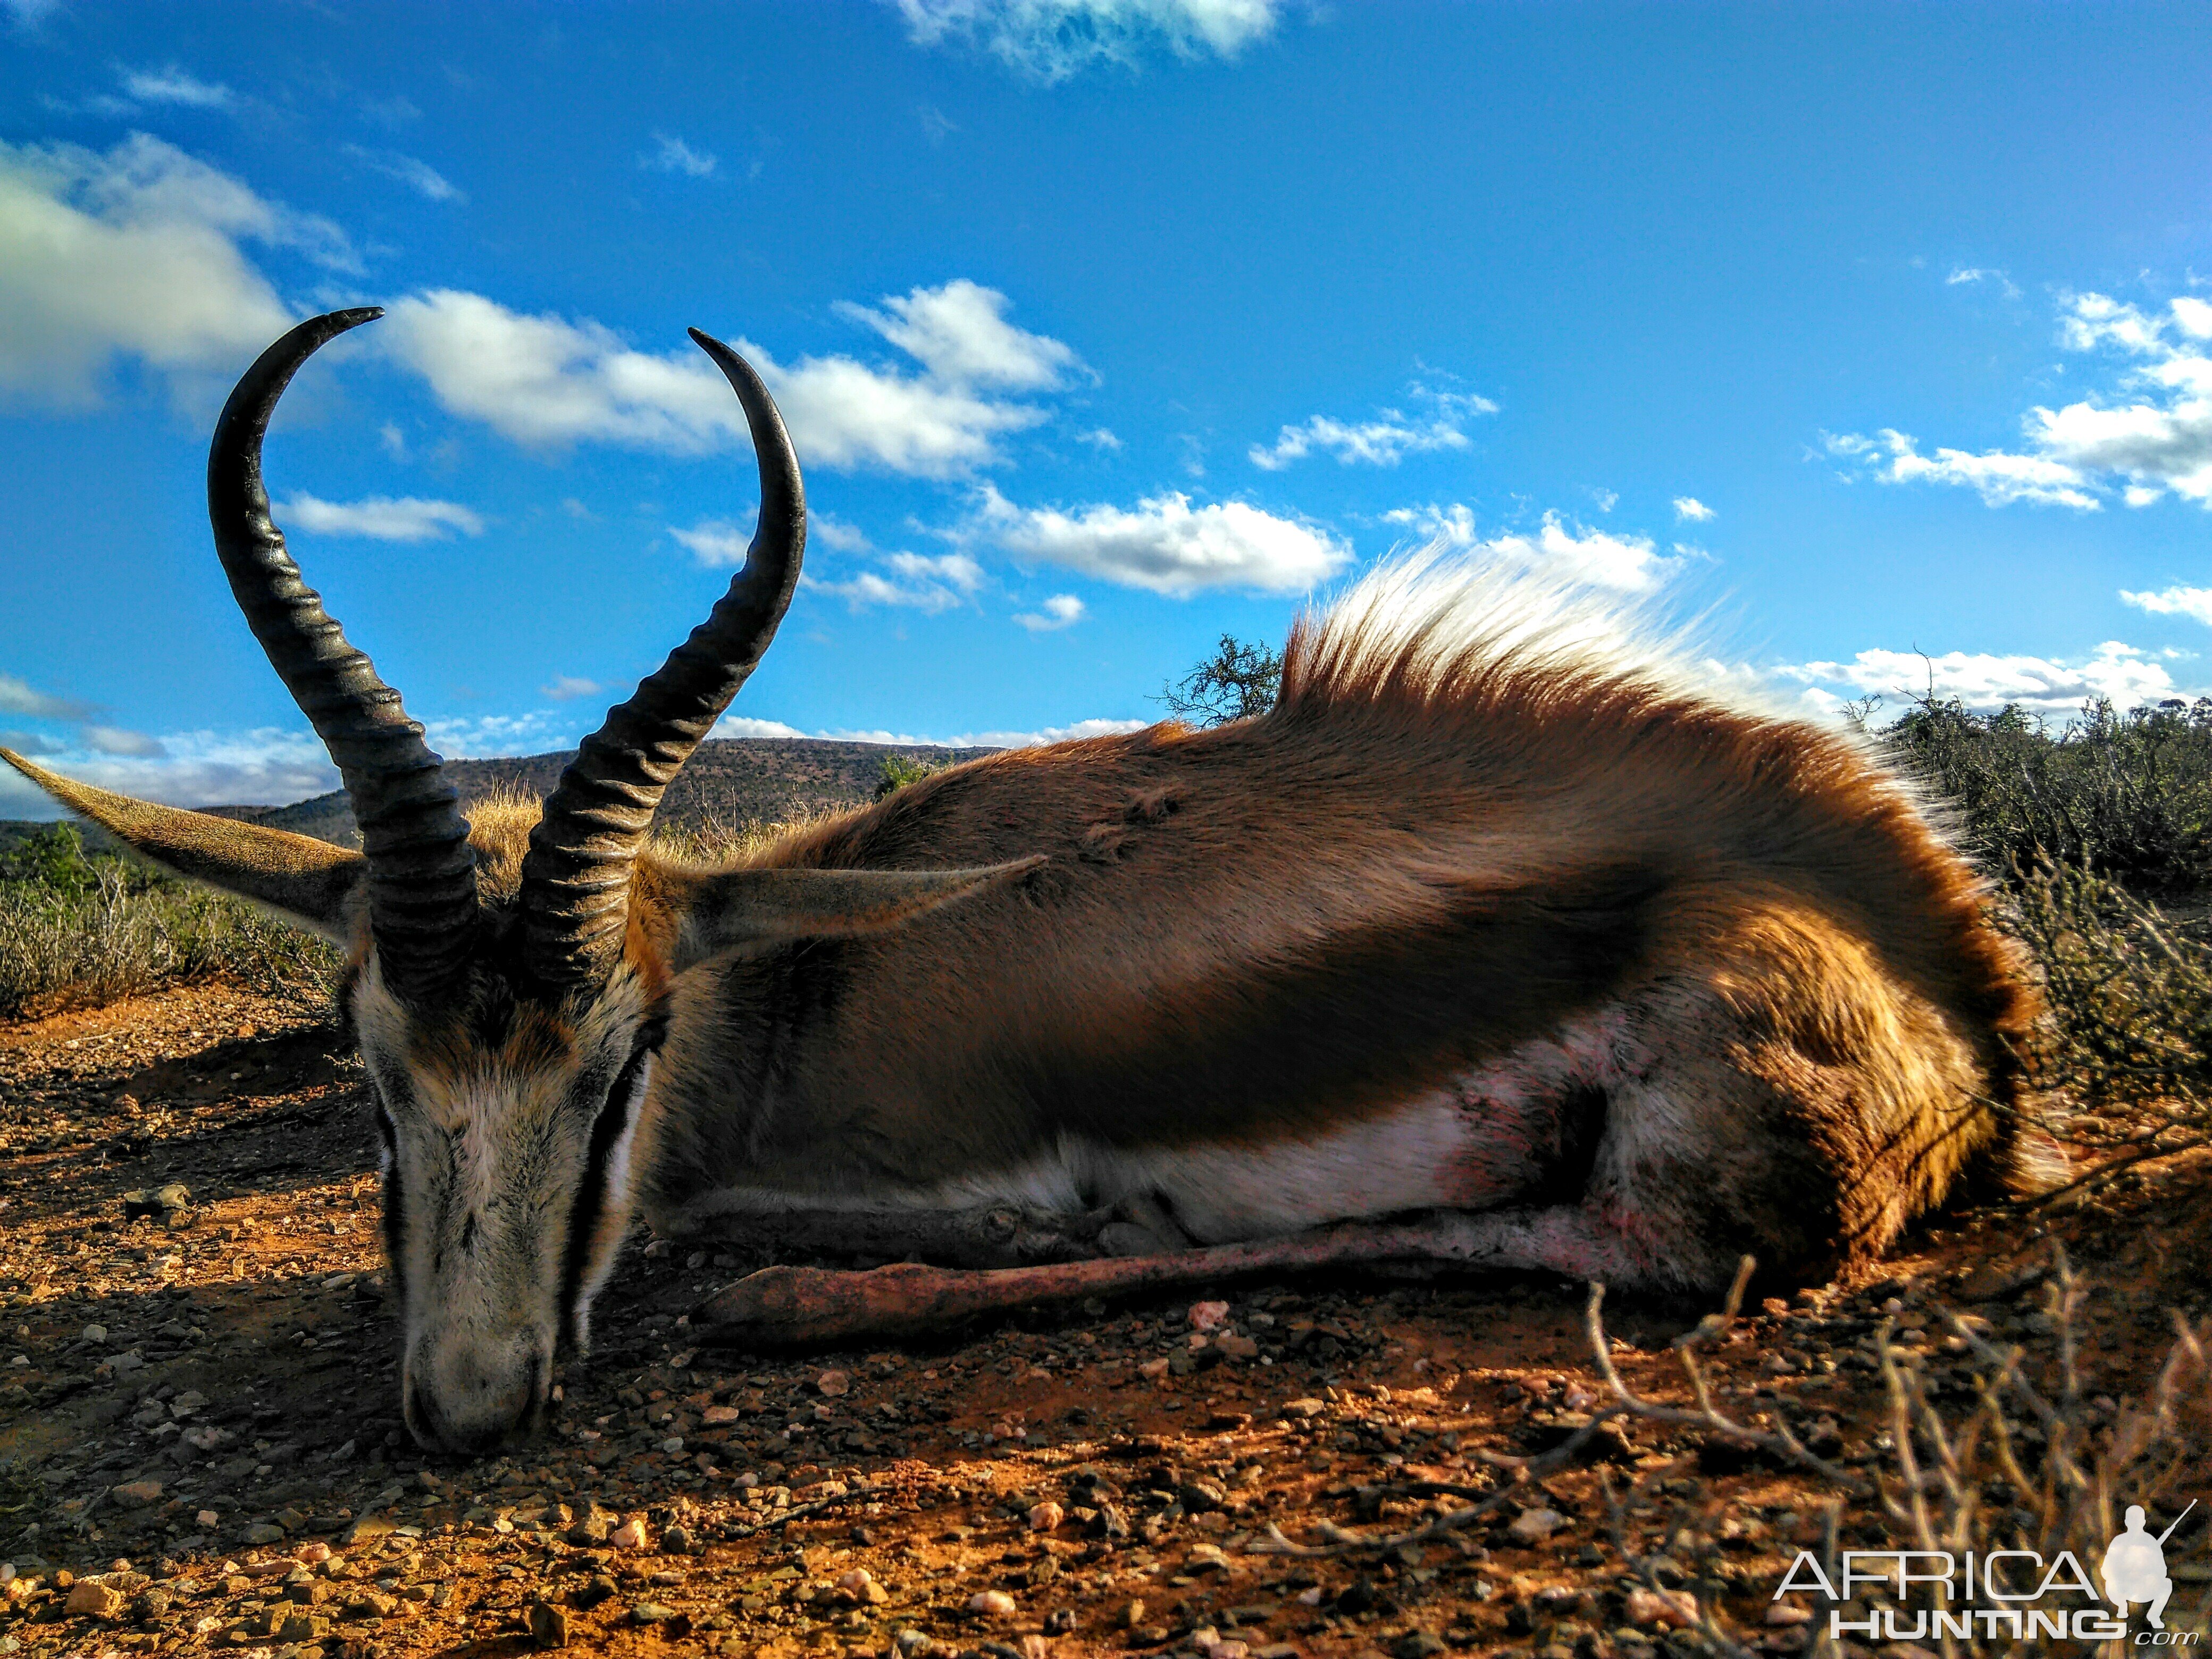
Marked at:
<point>383,518</point>
<point>563,688</point>
<point>19,697</point>
<point>266,767</point>
<point>114,740</point>
<point>960,333</point>
<point>915,581</point>
<point>2195,603</point>
<point>545,380</point>
<point>136,251</point>
<point>1628,564</point>
<point>1099,437</point>
<point>1985,680</point>
<point>746,725</point>
<point>1167,545</point>
<point>420,177</point>
<point>1964,275</point>
<point>715,541</point>
<point>1061,610</point>
<point>1690,510</point>
<point>1052,39</point>
<point>1383,441</point>
<point>835,534</point>
<point>171,85</point>
<point>2149,434</point>
<point>672,154</point>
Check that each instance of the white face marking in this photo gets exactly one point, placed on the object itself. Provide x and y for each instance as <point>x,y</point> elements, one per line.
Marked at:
<point>616,1188</point>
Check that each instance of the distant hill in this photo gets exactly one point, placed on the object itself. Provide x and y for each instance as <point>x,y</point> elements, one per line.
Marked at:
<point>728,781</point>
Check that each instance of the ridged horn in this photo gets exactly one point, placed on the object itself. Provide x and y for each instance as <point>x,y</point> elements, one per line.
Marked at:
<point>575,878</point>
<point>422,870</point>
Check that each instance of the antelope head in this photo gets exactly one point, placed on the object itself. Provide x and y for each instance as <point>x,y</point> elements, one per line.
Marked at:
<point>509,1000</point>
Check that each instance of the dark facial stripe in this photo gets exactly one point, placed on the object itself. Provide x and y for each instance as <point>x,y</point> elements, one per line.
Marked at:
<point>591,1193</point>
<point>394,1206</point>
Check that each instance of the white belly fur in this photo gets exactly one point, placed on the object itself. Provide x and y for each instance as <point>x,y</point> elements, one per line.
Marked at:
<point>1472,1145</point>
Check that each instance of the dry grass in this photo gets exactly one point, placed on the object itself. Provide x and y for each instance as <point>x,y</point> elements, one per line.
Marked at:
<point>79,930</point>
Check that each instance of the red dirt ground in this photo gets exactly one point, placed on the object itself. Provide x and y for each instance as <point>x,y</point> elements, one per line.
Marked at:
<point>231,1434</point>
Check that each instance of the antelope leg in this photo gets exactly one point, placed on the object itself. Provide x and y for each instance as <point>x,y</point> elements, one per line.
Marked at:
<point>809,1306</point>
<point>992,1236</point>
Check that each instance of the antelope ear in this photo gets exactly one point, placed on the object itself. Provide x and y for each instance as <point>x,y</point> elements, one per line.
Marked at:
<point>726,909</point>
<point>309,883</point>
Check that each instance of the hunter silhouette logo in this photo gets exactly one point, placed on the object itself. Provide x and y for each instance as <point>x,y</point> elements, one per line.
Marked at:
<point>2135,1566</point>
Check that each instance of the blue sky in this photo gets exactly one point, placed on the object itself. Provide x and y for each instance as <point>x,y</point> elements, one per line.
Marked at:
<point>1104,327</point>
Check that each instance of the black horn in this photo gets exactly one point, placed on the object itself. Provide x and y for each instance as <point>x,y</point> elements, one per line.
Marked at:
<point>575,879</point>
<point>422,870</point>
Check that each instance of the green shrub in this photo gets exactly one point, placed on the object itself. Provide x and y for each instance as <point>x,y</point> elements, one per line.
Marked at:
<point>2128,796</point>
<point>1238,681</point>
<point>900,770</point>
<point>78,929</point>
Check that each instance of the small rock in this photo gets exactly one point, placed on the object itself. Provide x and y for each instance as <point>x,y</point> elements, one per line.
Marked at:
<point>652,1613</point>
<point>1535,1526</point>
<point>549,1626</point>
<point>1787,1612</point>
<point>1045,1517</point>
<point>187,1404</point>
<point>913,1644</point>
<point>303,1627</point>
<point>590,1532</point>
<point>95,1333</point>
<point>91,1598</point>
<point>1208,1315</point>
<point>1236,1347</point>
<point>1308,1408</point>
<point>630,1535</point>
<point>677,1540</point>
<point>991,1604</point>
<point>1647,1609</point>
<point>1206,1558</point>
<point>1131,1615</point>
<point>136,1494</point>
<point>833,1383</point>
<point>1035,1646</point>
<point>207,1518</point>
<point>715,1417</point>
<point>1417,1644</point>
<point>673,1444</point>
<point>262,1532</point>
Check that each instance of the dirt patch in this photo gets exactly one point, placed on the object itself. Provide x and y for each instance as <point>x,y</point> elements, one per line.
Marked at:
<point>205,1392</point>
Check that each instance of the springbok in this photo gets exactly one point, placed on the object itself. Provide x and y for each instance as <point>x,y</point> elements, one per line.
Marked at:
<point>1501,939</point>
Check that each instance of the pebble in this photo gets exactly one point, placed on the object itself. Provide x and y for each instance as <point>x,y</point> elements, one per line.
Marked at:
<point>1206,1558</point>
<point>1208,1315</point>
<point>88,1597</point>
<point>833,1383</point>
<point>1786,1612</point>
<point>136,1494</point>
<point>630,1535</point>
<point>994,1604</point>
<point>1306,1409</point>
<point>1045,1517</point>
<point>1671,1609</point>
<point>549,1626</point>
<point>1535,1526</point>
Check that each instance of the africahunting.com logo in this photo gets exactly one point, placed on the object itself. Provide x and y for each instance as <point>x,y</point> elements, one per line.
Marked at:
<point>1994,1595</point>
